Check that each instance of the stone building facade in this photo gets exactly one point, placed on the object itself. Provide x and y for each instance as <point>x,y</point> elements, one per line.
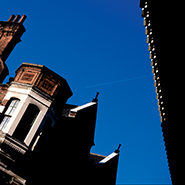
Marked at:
<point>44,140</point>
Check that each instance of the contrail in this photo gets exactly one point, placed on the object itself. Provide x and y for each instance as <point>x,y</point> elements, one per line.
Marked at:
<point>118,81</point>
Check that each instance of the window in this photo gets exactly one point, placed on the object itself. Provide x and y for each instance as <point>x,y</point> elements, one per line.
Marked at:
<point>26,122</point>
<point>9,110</point>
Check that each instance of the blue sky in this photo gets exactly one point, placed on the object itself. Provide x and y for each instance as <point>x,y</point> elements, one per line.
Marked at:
<point>100,46</point>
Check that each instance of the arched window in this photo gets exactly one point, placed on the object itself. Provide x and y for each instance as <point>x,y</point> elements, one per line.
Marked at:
<point>26,122</point>
<point>9,110</point>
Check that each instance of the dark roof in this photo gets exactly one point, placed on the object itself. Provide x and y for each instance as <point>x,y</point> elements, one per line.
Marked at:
<point>71,111</point>
<point>105,168</point>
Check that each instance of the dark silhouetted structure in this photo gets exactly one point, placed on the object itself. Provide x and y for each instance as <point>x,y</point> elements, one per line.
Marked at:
<point>44,140</point>
<point>161,21</point>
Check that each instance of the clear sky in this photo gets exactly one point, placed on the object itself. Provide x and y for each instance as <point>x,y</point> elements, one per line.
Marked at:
<point>100,46</point>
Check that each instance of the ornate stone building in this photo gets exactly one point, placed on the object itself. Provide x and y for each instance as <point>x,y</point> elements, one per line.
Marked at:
<point>44,140</point>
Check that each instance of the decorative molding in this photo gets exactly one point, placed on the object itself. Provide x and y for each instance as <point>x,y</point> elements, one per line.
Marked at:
<point>14,144</point>
<point>47,85</point>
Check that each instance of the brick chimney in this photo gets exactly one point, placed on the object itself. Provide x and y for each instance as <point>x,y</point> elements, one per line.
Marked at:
<point>10,34</point>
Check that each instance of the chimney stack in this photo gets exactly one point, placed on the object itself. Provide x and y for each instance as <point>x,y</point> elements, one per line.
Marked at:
<point>10,34</point>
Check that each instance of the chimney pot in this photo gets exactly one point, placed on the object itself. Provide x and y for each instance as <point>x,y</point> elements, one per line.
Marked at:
<point>17,18</point>
<point>11,18</point>
<point>22,19</point>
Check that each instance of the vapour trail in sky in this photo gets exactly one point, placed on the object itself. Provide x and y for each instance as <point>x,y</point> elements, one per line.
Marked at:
<point>118,81</point>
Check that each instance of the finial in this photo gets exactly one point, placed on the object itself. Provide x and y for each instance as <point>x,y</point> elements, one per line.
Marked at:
<point>96,98</point>
<point>117,150</point>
